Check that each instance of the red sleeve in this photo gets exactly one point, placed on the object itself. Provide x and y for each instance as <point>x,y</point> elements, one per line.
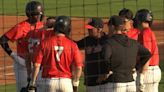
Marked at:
<point>15,33</point>
<point>78,59</point>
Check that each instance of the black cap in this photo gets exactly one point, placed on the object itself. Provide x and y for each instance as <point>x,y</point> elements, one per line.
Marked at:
<point>95,23</point>
<point>116,20</point>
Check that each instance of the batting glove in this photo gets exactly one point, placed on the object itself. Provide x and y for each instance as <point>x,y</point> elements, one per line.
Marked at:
<point>17,59</point>
<point>32,89</point>
<point>75,86</point>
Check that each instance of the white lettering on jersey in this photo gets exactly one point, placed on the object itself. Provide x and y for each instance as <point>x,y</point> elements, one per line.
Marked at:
<point>32,42</point>
<point>59,50</point>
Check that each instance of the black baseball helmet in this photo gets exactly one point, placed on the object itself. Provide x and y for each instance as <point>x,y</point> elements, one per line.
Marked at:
<point>63,25</point>
<point>144,15</point>
<point>34,8</point>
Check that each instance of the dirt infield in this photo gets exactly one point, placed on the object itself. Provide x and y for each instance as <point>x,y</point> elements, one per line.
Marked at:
<point>6,22</point>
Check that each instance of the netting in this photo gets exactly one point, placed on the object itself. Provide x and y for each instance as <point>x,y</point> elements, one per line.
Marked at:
<point>13,11</point>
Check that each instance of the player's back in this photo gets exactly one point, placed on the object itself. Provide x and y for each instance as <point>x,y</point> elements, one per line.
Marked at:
<point>60,52</point>
<point>149,41</point>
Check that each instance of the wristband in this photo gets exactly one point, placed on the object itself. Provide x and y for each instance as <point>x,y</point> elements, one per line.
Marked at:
<point>75,83</point>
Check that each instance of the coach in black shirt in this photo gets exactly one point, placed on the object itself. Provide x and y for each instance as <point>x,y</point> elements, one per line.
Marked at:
<point>92,44</point>
<point>120,53</point>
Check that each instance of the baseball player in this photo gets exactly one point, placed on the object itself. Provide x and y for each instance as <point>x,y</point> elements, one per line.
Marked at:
<point>92,44</point>
<point>152,76</point>
<point>119,53</point>
<point>34,13</point>
<point>35,38</point>
<point>131,32</point>
<point>128,15</point>
<point>56,55</point>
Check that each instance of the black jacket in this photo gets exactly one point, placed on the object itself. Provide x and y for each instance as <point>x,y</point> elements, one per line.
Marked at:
<point>120,54</point>
<point>93,48</point>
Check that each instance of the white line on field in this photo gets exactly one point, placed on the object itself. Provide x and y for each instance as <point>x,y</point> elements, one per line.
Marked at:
<point>6,74</point>
<point>160,43</point>
<point>6,67</point>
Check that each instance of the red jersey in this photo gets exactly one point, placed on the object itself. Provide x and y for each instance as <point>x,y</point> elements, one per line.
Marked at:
<point>133,33</point>
<point>147,38</point>
<point>56,55</point>
<point>35,38</point>
<point>19,33</point>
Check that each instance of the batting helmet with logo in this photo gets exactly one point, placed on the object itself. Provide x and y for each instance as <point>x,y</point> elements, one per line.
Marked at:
<point>63,25</point>
<point>34,8</point>
<point>144,15</point>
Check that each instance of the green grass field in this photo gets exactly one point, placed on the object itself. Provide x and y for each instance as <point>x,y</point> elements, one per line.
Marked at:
<point>12,87</point>
<point>84,8</point>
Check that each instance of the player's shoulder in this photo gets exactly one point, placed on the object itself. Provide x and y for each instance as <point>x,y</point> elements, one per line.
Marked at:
<point>134,29</point>
<point>71,41</point>
<point>40,23</point>
<point>132,40</point>
<point>147,30</point>
<point>109,40</point>
<point>19,26</point>
<point>22,23</point>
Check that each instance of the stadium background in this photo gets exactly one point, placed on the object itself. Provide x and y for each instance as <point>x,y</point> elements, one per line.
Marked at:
<point>12,12</point>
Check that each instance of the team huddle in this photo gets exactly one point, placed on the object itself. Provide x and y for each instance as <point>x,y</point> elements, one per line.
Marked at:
<point>125,59</point>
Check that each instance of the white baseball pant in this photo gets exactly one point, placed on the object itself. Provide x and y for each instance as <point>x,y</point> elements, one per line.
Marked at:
<point>97,88</point>
<point>39,81</point>
<point>55,85</point>
<point>120,87</point>
<point>152,78</point>
<point>20,75</point>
